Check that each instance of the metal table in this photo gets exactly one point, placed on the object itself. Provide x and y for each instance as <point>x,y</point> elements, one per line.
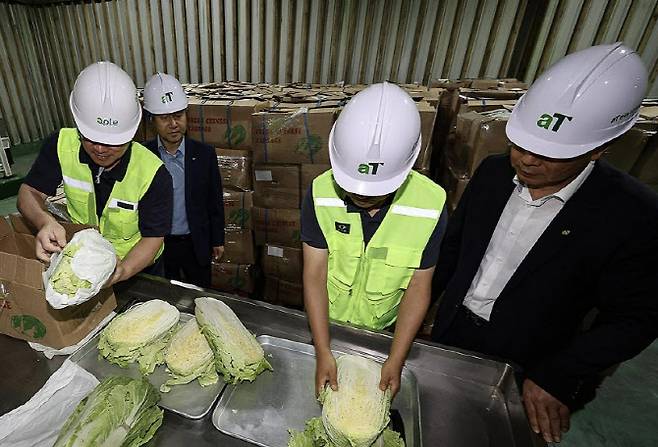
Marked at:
<point>465,400</point>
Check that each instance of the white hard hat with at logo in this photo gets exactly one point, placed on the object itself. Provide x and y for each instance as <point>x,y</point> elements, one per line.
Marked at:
<point>164,94</point>
<point>104,104</point>
<point>583,101</point>
<point>375,141</point>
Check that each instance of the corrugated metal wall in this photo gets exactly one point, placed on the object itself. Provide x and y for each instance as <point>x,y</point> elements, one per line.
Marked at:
<point>357,41</point>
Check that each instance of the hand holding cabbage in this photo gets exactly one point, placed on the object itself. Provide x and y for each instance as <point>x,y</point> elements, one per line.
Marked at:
<point>80,270</point>
<point>357,415</point>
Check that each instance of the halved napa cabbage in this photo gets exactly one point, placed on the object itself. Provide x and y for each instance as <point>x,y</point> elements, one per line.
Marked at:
<point>357,415</point>
<point>238,355</point>
<point>189,357</point>
<point>140,334</point>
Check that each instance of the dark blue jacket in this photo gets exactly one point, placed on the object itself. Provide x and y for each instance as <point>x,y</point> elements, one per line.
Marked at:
<point>204,201</point>
<point>600,252</point>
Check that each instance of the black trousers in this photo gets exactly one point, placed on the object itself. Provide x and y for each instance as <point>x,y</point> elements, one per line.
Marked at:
<point>180,262</point>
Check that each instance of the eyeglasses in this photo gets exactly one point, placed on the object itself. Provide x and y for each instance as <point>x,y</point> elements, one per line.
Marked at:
<point>96,143</point>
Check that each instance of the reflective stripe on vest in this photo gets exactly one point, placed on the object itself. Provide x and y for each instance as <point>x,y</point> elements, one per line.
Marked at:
<point>119,221</point>
<point>366,285</point>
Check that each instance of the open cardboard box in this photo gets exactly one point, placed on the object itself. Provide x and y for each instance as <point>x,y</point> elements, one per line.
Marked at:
<point>24,311</point>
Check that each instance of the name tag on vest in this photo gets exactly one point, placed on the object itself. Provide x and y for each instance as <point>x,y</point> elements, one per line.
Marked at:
<point>123,204</point>
<point>343,227</point>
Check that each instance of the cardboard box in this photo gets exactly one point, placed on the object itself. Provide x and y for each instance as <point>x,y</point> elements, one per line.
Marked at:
<point>646,168</point>
<point>223,123</point>
<point>484,84</point>
<point>455,185</point>
<point>235,168</point>
<point>145,131</point>
<point>427,119</point>
<point>237,209</point>
<point>24,311</point>
<point>488,105</point>
<point>282,262</point>
<point>276,186</point>
<point>477,136</point>
<point>238,247</point>
<point>277,226</point>
<point>308,174</point>
<point>292,136</point>
<point>625,152</point>
<point>234,278</point>
<point>283,293</point>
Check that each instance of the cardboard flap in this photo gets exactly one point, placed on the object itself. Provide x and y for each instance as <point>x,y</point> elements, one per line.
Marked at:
<point>21,225</point>
<point>5,228</point>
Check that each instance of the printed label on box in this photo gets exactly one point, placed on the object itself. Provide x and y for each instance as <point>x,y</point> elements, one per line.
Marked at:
<point>263,176</point>
<point>275,251</point>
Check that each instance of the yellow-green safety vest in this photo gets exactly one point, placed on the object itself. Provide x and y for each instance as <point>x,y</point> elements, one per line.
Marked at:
<point>366,284</point>
<point>119,221</point>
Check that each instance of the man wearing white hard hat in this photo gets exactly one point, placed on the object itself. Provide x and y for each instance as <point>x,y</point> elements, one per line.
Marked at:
<point>371,229</point>
<point>109,180</point>
<point>197,227</point>
<point>545,236</point>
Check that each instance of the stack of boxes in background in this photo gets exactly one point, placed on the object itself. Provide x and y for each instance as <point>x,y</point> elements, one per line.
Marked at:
<point>290,142</point>
<point>220,115</point>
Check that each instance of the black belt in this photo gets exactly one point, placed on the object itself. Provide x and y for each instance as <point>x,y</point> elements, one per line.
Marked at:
<point>178,237</point>
<point>472,317</point>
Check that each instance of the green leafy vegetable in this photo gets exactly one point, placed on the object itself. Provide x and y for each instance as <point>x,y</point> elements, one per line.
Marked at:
<point>63,279</point>
<point>141,334</point>
<point>189,357</point>
<point>238,355</point>
<point>120,411</point>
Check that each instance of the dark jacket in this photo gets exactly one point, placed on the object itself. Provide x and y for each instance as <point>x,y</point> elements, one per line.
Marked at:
<point>600,252</point>
<point>204,201</point>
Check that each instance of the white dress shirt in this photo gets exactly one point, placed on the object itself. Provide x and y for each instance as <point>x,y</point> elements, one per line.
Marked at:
<point>520,225</point>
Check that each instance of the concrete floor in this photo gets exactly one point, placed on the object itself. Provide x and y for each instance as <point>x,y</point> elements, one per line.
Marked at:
<point>624,414</point>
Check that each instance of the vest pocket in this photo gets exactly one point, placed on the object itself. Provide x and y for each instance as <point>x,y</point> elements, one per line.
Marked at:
<point>385,287</point>
<point>121,224</point>
<point>79,205</point>
<point>340,280</point>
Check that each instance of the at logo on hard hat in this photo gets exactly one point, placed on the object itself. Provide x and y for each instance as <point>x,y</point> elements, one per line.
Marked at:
<point>546,120</point>
<point>107,121</point>
<point>167,97</point>
<point>365,168</point>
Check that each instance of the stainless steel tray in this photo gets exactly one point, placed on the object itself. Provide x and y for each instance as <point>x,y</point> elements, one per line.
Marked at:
<point>262,411</point>
<point>190,400</point>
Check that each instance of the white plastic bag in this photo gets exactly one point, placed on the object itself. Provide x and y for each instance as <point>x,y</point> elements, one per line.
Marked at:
<point>94,261</point>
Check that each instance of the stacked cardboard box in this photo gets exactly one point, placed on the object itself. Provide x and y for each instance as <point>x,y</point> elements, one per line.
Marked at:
<point>234,272</point>
<point>290,141</point>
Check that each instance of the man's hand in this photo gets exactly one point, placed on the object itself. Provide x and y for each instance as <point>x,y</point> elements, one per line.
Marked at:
<point>119,272</point>
<point>390,378</point>
<point>325,371</point>
<point>50,239</point>
<point>547,415</point>
<point>217,252</point>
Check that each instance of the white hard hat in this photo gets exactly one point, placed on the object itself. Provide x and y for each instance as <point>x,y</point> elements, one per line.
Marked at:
<point>104,104</point>
<point>583,101</point>
<point>163,94</point>
<point>375,141</point>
